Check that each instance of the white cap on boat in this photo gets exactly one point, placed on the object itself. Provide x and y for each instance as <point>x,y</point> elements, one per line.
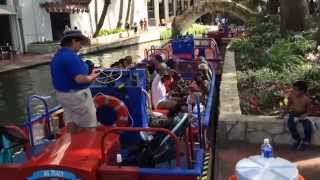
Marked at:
<point>119,158</point>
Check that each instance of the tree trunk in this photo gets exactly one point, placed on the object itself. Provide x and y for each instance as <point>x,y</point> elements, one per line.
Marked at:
<point>316,36</point>
<point>102,17</point>
<point>120,23</point>
<point>128,11</point>
<point>292,15</point>
<point>273,6</point>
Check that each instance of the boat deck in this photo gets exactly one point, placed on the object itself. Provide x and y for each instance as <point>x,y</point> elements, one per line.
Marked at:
<point>229,154</point>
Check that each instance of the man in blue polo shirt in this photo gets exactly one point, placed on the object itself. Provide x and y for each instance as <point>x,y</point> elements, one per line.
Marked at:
<point>71,80</point>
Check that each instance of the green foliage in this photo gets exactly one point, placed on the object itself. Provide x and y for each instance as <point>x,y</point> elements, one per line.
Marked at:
<point>195,29</point>
<point>105,32</point>
<point>283,54</point>
<point>264,47</point>
<point>166,34</point>
<point>268,63</point>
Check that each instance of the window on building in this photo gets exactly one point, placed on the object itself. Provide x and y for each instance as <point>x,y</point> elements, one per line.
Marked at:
<point>3,2</point>
<point>151,8</point>
<point>171,8</point>
<point>179,7</point>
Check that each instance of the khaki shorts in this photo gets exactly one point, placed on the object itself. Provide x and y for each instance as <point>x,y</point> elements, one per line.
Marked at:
<point>78,107</point>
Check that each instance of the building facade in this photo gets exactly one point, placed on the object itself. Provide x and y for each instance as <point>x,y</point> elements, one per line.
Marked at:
<point>45,20</point>
<point>32,21</point>
<point>10,34</point>
<point>165,10</point>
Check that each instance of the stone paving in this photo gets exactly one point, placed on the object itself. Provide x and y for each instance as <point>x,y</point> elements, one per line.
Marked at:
<point>99,44</point>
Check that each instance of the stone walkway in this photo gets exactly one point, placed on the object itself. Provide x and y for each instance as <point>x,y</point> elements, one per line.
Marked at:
<point>99,44</point>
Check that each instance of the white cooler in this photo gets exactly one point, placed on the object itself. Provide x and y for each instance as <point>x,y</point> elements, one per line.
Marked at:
<point>257,168</point>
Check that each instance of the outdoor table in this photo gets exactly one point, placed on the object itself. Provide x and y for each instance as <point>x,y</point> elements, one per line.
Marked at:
<point>258,168</point>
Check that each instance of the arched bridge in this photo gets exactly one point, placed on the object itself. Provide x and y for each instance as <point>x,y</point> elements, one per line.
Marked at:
<point>190,15</point>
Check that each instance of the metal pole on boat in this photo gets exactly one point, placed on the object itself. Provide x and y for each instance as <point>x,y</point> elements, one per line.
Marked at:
<point>199,122</point>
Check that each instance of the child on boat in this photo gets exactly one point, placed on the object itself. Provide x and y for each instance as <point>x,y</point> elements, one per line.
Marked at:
<point>298,108</point>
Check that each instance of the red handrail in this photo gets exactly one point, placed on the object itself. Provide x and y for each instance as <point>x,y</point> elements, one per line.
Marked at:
<point>131,129</point>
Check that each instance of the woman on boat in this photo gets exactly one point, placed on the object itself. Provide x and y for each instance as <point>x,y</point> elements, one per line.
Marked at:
<point>71,80</point>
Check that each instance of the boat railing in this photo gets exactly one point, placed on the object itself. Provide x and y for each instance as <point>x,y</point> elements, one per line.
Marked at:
<point>31,119</point>
<point>210,102</point>
<point>154,51</point>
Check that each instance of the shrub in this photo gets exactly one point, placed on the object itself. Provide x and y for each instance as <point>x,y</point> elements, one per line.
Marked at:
<point>195,29</point>
<point>268,64</point>
<point>166,34</point>
<point>105,32</point>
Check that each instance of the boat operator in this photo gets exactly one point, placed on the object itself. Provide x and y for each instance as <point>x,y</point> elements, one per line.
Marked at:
<point>71,79</point>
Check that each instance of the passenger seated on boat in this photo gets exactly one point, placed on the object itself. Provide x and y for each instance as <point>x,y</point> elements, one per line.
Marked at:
<point>155,63</point>
<point>171,64</point>
<point>129,61</point>
<point>159,97</point>
<point>123,63</point>
<point>203,66</point>
<point>179,86</point>
<point>194,91</point>
<point>196,53</point>
<point>202,82</point>
<point>115,65</point>
<point>168,82</point>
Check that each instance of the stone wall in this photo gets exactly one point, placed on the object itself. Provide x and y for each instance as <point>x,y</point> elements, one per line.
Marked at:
<point>233,126</point>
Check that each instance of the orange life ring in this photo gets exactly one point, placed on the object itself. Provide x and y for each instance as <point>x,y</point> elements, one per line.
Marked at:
<point>115,103</point>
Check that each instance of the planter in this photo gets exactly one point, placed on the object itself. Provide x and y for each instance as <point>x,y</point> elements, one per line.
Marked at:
<point>124,34</point>
<point>43,48</point>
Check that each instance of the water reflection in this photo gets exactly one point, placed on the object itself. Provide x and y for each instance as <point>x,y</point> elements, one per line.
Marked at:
<point>16,86</point>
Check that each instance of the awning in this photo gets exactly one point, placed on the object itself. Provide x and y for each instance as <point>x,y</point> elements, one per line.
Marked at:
<point>6,12</point>
<point>67,6</point>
